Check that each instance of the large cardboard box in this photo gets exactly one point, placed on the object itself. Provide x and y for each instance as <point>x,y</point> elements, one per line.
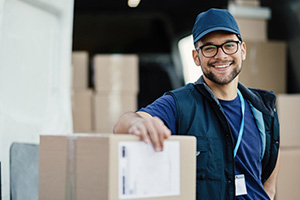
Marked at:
<point>82,111</point>
<point>112,167</point>
<point>108,107</point>
<point>116,72</point>
<point>288,182</point>
<point>251,18</point>
<point>253,29</point>
<point>265,66</point>
<point>288,113</point>
<point>80,63</point>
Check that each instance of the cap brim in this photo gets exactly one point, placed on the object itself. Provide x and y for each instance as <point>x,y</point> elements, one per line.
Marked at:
<point>212,30</point>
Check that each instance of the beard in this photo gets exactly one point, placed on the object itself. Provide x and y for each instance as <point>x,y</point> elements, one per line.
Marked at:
<point>223,80</point>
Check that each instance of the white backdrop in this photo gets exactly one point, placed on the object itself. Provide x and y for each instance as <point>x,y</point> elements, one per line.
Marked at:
<point>191,71</point>
<point>35,72</point>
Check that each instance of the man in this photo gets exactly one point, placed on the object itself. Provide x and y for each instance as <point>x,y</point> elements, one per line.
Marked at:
<point>237,128</point>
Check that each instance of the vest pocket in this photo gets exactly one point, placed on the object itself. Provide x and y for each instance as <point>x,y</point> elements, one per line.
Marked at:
<point>209,165</point>
<point>202,158</point>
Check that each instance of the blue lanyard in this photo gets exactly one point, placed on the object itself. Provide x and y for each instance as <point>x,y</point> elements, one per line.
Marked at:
<point>242,123</point>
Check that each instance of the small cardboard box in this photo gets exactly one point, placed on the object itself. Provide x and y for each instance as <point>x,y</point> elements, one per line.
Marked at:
<point>108,107</point>
<point>265,66</point>
<point>288,113</point>
<point>92,166</point>
<point>82,110</point>
<point>80,63</point>
<point>288,181</point>
<point>116,72</point>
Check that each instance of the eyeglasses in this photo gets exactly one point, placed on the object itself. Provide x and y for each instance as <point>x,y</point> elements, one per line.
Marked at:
<point>210,50</point>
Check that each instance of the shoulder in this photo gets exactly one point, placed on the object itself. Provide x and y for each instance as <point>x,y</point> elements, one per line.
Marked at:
<point>187,88</point>
<point>166,100</point>
<point>163,103</point>
<point>164,108</point>
<point>264,101</point>
<point>183,92</point>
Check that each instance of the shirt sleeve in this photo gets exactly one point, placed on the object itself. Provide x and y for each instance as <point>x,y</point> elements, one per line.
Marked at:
<point>165,109</point>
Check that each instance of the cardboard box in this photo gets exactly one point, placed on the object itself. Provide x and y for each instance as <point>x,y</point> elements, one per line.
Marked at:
<point>253,29</point>
<point>265,66</point>
<point>52,167</point>
<point>288,113</point>
<point>108,107</point>
<point>116,73</point>
<point>80,63</point>
<point>288,181</point>
<point>251,18</point>
<point>255,3</point>
<point>82,101</point>
<point>92,167</point>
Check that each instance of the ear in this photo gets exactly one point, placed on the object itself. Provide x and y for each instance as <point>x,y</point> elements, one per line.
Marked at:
<point>196,57</point>
<point>243,48</point>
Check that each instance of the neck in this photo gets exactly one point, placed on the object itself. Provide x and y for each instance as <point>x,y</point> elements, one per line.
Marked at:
<point>223,92</point>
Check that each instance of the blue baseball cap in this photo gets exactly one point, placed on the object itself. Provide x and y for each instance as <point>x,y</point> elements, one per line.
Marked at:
<point>214,20</point>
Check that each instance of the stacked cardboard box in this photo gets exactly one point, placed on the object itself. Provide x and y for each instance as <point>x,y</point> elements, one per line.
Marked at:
<point>288,182</point>
<point>102,167</point>
<point>265,65</point>
<point>80,62</point>
<point>252,19</point>
<point>82,110</point>
<point>265,68</point>
<point>82,94</point>
<point>289,110</point>
<point>116,88</point>
<point>253,29</point>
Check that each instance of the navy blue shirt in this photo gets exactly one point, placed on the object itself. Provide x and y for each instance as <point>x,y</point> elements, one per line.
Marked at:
<point>249,152</point>
<point>248,155</point>
<point>165,109</point>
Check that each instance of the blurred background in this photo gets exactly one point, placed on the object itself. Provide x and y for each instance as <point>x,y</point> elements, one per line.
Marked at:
<point>75,66</point>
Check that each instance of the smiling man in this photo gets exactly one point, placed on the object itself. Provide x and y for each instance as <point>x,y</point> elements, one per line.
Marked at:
<point>237,128</point>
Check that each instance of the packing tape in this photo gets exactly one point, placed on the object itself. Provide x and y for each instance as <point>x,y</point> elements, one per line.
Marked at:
<point>115,98</point>
<point>116,62</point>
<point>115,107</point>
<point>71,168</point>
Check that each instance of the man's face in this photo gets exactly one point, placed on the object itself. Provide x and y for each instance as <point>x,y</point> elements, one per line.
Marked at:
<point>221,68</point>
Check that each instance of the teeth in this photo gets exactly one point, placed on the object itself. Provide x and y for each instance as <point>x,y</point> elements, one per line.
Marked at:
<point>221,66</point>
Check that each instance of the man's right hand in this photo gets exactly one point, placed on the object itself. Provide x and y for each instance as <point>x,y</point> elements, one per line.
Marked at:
<point>148,128</point>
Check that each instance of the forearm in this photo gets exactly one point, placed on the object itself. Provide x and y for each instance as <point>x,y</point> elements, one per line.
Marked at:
<point>270,184</point>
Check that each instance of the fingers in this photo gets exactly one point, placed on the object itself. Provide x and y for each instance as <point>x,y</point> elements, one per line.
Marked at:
<point>162,133</point>
<point>140,130</point>
<point>151,129</point>
<point>167,132</point>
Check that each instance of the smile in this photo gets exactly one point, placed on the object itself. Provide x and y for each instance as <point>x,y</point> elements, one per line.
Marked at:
<point>221,66</point>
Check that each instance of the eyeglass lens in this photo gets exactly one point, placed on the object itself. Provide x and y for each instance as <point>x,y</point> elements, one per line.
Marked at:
<point>212,50</point>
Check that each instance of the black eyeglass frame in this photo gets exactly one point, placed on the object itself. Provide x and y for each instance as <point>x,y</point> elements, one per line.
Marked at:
<point>219,46</point>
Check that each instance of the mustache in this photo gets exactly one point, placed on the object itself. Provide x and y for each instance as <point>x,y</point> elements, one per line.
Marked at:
<point>223,62</point>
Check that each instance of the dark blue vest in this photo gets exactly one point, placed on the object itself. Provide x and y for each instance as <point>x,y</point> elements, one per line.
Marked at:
<point>200,114</point>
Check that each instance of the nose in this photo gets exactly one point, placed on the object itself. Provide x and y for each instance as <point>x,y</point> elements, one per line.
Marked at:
<point>220,53</point>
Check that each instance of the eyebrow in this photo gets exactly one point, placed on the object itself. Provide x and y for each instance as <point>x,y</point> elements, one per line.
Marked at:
<point>210,43</point>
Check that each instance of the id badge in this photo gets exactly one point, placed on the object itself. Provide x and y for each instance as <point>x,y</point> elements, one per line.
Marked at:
<point>240,185</point>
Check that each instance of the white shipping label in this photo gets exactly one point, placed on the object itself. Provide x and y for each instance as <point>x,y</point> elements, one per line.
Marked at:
<point>144,173</point>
